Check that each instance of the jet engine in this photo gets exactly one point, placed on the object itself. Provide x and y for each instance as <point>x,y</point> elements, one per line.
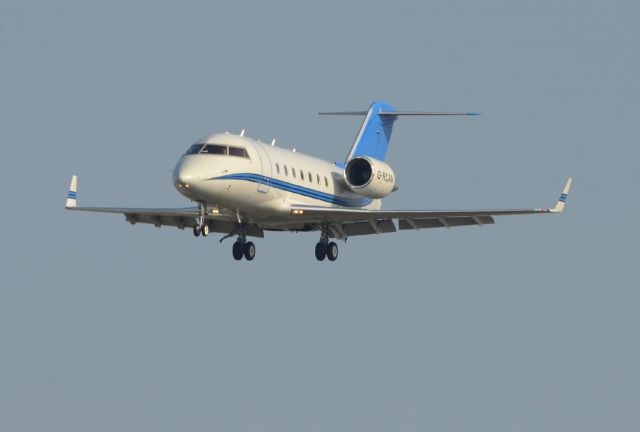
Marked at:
<point>369,177</point>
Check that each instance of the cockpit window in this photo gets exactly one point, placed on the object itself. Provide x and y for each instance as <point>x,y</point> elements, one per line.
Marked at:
<point>218,149</point>
<point>238,151</point>
<point>194,149</point>
<point>215,149</point>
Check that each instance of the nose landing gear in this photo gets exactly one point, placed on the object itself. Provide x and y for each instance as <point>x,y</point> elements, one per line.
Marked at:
<point>325,248</point>
<point>201,226</point>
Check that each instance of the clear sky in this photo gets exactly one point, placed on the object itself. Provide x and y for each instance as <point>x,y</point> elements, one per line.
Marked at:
<point>527,325</point>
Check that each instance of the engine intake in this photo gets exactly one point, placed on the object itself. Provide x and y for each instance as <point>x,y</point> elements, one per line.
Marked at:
<point>369,177</point>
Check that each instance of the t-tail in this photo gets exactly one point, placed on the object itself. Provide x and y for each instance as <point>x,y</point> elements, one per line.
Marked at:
<point>375,132</point>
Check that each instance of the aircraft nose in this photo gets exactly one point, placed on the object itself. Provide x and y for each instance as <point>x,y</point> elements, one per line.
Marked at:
<point>183,175</point>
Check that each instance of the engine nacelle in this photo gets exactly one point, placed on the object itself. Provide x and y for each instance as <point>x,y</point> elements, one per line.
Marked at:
<point>369,177</point>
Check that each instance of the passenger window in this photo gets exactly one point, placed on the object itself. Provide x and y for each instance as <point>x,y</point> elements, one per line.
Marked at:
<point>326,182</point>
<point>238,151</point>
<point>310,177</point>
<point>293,172</point>
<point>277,168</point>
<point>194,149</point>
<point>215,149</point>
<point>318,178</point>
<point>286,171</point>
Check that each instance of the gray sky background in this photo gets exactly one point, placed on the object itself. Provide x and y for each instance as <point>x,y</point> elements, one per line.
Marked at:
<point>528,325</point>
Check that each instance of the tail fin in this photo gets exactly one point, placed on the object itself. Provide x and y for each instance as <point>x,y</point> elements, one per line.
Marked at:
<point>375,132</point>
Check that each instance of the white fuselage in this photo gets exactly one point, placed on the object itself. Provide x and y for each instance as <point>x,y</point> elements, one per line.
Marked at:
<point>263,183</point>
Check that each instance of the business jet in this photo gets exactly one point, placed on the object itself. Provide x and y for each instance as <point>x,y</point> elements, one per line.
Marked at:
<point>244,187</point>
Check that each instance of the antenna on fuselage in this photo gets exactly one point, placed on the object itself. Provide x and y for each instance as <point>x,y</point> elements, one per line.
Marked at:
<point>242,132</point>
<point>273,142</point>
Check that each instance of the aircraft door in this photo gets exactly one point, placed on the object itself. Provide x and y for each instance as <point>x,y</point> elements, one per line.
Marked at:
<point>265,168</point>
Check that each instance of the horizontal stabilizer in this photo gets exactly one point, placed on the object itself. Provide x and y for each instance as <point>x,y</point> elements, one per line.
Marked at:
<point>426,113</point>
<point>401,113</point>
<point>343,113</point>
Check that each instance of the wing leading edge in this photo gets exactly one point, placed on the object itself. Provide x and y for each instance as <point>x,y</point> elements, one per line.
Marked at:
<point>362,222</point>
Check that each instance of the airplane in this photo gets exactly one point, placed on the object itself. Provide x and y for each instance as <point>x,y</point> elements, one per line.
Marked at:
<point>244,187</point>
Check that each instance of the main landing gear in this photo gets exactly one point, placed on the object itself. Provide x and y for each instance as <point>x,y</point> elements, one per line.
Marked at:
<point>325,248</point>
<point>243,248</point>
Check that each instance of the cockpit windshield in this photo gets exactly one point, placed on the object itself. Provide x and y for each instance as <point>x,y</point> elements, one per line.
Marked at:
<point>215,149</point>
<point>218,149</point>
<point>194,149</point>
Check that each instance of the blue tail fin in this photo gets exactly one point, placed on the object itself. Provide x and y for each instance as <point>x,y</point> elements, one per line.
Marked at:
<point>374,135</point>
<point>375,132</point>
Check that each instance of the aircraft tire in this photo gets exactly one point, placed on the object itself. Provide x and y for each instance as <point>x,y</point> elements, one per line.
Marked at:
<point>205,230</point>
<point>196,230</point>
<point>332,251</point>
<point>321,251</point>
<point>237,251</point>
<point>249,251</point>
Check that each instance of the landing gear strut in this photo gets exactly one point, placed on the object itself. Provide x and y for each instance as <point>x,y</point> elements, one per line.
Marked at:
<point>325,248</point>
<point>242,247</point>
<point>201,226</point>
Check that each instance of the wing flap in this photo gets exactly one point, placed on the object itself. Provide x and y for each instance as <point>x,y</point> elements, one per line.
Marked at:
<point>373,226</point>
<point>444,222</point>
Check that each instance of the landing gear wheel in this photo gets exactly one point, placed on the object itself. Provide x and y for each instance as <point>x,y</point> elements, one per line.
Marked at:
<point>249,251</point>
<point>321,251</point>
<point>332,251</point>
<point>196,230</point>
<point>237,250</point>
<point>205,230</point>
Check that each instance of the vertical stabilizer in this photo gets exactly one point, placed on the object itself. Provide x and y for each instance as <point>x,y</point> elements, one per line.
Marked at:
<point>374,134</point>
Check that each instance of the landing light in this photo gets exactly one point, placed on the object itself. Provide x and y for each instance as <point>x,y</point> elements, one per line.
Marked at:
<point>215,211</point>
<point>297,212</point>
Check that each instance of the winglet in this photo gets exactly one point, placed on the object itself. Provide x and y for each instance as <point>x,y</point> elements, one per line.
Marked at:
<point>72,195</point>
<point>563,197</point>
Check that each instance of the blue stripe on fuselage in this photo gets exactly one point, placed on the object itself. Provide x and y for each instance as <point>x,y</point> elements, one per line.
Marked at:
<point>300,190</point>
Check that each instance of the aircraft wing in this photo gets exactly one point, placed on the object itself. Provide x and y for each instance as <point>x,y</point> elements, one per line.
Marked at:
<point>349,222</point>
<point>185,217</point>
